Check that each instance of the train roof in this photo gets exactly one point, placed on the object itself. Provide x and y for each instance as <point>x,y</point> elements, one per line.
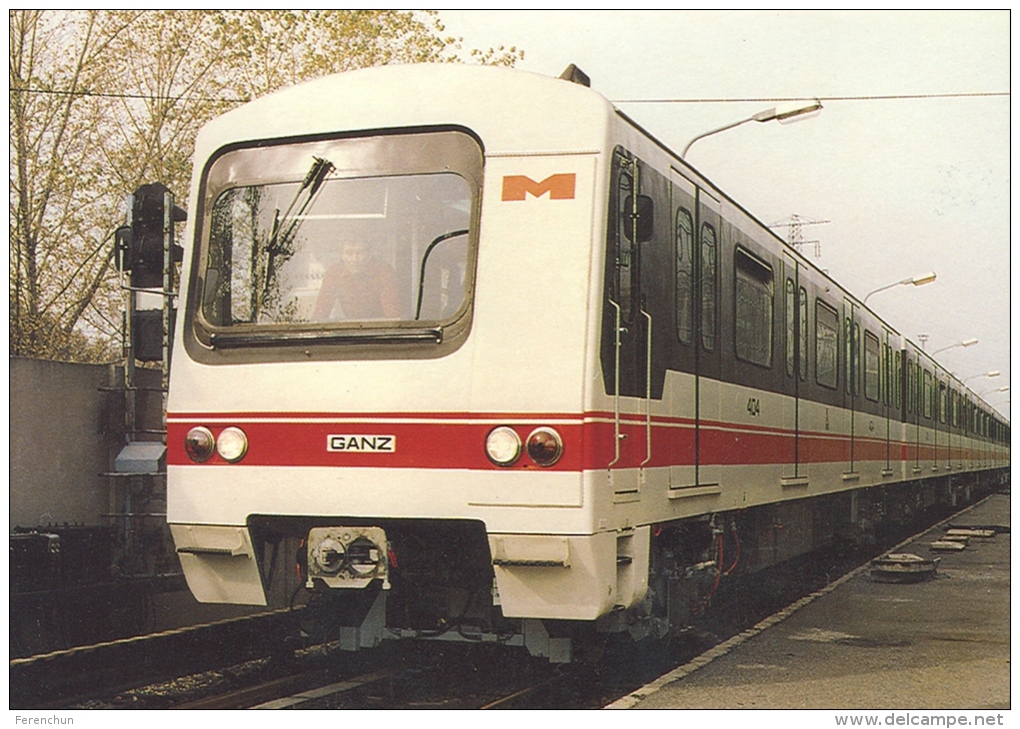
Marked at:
<point>513,111</point>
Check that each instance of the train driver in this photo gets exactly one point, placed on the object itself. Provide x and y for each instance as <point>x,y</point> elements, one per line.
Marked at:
<point>362,285</point>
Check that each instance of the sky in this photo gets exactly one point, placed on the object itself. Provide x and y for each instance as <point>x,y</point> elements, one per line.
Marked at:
<point>909,185</point>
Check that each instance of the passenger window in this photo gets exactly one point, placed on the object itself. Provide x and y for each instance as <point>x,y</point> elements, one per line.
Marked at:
<point>803,334</point>
<point>911,387</point>
<point>754,296</point>
<point>883,378</point>
<point>791,327</point>
<point>927,394</point>
<point>683,229</point>
<point>708,286</point>
<point>625,269</point>
<point>826,345</point>
<point>855,345</point>
<point>897,380</point>
<point>872,370</point>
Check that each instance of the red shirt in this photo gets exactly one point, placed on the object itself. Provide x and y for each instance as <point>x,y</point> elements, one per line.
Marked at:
<point>371,293</point>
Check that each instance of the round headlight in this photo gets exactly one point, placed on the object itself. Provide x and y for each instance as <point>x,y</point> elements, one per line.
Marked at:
<point>232,444</point>
<point>199,444</point>
<point>545,446</point>
<point>503,446</point>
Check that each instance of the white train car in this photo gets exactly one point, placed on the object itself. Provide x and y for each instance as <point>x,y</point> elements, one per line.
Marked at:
<point>498,366</point>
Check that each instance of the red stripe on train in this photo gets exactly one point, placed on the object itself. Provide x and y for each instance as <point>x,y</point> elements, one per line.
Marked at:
<point>438,442</point>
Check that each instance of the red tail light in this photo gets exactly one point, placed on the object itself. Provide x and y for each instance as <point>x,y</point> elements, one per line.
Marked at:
<point>199,444</point>
<point>545,446</point>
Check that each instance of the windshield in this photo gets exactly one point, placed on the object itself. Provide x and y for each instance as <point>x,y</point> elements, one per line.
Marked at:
<point>349,235</point>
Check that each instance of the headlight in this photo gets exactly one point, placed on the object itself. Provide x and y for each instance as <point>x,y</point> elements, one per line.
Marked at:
<point>232,444</point>
<point>329,555</point>
<point>545,446</point>
<point>503,446</point>
<point>199,444</point>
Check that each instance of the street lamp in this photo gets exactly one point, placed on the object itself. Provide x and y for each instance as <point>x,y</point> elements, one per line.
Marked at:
<point>993,373</point>
<point>998,389</point>
<point>919,280</point>
<point>964,343</point>
<point>783,116</point>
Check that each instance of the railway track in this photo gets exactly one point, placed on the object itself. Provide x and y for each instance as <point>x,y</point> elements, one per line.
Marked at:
<point>255,663</point>
<point>60,678</point>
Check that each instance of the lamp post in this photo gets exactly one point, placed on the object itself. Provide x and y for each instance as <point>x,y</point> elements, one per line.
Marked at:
<point>964,343</point>
<point>993,373</point>
<point>783,116</point>
<point>919,280</point>
<point>998,389</point>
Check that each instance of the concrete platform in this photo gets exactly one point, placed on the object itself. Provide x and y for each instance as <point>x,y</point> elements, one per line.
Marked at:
<point>862,644</point>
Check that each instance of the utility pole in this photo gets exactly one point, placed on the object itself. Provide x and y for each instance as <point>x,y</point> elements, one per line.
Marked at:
<point>795,235</point>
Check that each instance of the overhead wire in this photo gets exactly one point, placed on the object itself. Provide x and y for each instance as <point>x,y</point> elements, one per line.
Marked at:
<point>678,100</point>
<point>117,95</point>
<point>775,99</point>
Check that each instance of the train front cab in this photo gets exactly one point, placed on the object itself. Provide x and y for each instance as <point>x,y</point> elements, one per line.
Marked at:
<point>372,445</point>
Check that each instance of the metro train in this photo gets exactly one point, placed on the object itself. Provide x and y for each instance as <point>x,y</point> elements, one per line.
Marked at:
<point>475,357</point>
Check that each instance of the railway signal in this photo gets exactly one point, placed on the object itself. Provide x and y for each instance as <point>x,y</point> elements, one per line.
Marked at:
<point>142,244</point>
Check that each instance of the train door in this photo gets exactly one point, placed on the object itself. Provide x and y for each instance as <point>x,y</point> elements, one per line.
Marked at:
<point>914,391</point>
<point>683,397</point>
<point>709,441</point>
<point>939,418</point>
<point>627,330</point>
<point>795,378</point>
<point>927,432</point>
<point>851,385</point>
<point>887,398</point>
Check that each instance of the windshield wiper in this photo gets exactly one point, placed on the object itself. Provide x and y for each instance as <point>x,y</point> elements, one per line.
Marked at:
<point>280,239</point>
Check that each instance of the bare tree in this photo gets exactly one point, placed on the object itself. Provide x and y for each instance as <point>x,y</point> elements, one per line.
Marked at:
<point>54,142</point>
<point>103,101</point>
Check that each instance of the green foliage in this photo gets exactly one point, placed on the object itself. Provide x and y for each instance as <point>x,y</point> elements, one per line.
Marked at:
<point>104,101</point>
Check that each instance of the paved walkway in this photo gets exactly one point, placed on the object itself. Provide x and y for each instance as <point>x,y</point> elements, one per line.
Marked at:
<point>940,644</point>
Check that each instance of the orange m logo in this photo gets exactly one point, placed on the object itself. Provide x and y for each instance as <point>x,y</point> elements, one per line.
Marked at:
<point>559,187</point>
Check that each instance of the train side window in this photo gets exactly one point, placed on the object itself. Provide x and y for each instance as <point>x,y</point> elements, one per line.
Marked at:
<point>884,380</point>
<point>897,380</point>
<point>855,348</point>
<point>754,306</point>
<point>910,386</point>
<point>847,355</point>
<point>622,245</point>
<point>791,327</point>
<point>926,396</point>
<point>708,286</point>
<point>923,397</point>
<point>826,345</point>
<point>852,356</point>
<point>802,305</point>
<point>943,402</point>
<point>683,229</point>
<point>871,366</point>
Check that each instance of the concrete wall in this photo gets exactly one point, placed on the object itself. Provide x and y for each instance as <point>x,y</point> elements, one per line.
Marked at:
<point>64,433</point>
